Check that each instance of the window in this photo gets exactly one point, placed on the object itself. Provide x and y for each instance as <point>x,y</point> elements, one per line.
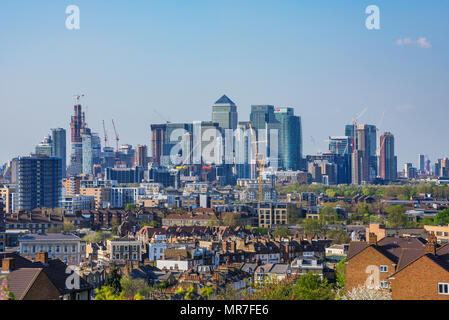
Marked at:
<point>383,269</point>
<point>73,248</point>
<point>66,249</point>
<point>443,288</point>
<point>384,284</point>
<point>58,249</point>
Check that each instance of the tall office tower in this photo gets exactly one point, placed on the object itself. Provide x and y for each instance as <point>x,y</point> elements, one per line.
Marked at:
<point>224,112</point>
<point>157,142</point>
<point>421,163</point>
<point>108,157</point>
<point>262,115</point>
<point>87,153</point>
<point>210,143</point>
<point>242,148</point>
<point>126,155</point>
<point>427,168</point>
<point>141,156</point>
<point>359,167</point>
<point>387,157</point>
<point>290,138</point>
<point>174,134</point>
<point>407,167</point>
<point>45,147</point>
<point>367,145</point>
<point>396,166</point>
<point>39,182</point>
<point>442,168</point>
<point>340,145</point>
<point>267,129</point>
<point>77,126</point>
<point>59,147</point>
<point>349,132</point>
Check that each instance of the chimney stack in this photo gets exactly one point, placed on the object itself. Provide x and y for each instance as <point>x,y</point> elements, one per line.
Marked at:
<point>41,257</point>
<point>233,246</point>
<point>431,245</point>
<point>224,246</point>
<point>372,239</point>
<point>8,264</point>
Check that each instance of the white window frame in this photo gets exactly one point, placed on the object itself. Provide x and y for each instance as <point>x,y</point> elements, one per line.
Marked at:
<point>383,268</point>
<point>443,284</point>
<point>384,284</point>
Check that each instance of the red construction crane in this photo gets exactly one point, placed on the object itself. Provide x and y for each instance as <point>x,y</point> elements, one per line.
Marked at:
<point>117,139</point>
<point>105,135</point>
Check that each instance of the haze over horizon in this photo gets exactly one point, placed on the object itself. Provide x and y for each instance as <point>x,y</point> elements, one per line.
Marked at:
<point>178,58</point>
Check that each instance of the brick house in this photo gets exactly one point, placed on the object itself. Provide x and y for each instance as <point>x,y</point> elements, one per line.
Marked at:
<point>383,258</point>
<point>424,278</point>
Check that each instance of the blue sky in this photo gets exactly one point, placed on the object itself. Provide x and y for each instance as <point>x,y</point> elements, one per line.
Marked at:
<point>177,57</point>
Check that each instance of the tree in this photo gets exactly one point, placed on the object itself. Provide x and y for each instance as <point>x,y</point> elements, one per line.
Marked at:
<point>132,287</point>
<point>442,218</point>
<point>396,216</point>
<point>338,236</point>
<point>233,219</point>
<point>68,226</point>
<point>312,226</point>
<point>282,232</point>
<point>113,280</point>
<point>206,292</point>
<point>5,293</point>
<point>130,207</point>
<point>311,287</point>
<point>340,273</point>
<point>295,213</point>
<point>108,293</point>
<point>364,293</point>
<point>261,231</point>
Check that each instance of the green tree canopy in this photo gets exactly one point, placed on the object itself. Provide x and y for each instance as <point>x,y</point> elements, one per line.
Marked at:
<point>396,216</point>
<point>442,218</point>
<point>283,232</point>
<point>113,280</point>
<point>311,287</point>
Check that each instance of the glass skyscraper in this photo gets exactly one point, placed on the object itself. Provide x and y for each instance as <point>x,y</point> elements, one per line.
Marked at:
<point>59,147</point>
<point>224,112</point>
<point>290,138</point>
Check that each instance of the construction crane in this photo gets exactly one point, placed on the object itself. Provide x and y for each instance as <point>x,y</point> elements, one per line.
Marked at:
<point>161,116</point>
<point>117,139</point>
<point>354,122</point>
<point>260,164</point>
<point>105,136</point>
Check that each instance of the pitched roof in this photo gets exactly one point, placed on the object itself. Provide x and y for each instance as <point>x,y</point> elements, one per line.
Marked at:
<point>224,100</point>
<point>21,280</point>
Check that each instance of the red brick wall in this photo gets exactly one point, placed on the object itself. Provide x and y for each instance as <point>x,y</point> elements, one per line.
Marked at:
<point>356,267</point>
<point>419,281</point>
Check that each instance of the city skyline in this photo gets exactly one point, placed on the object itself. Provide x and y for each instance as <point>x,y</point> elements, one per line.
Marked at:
<point>317,58</point>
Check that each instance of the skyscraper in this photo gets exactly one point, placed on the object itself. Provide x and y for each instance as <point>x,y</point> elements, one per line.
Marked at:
<point>340,145</point>
<point>364,162</point>
<point>87,153</point>
<point>59,148</point>
<point>77,126</point>
<point>38,182</point>
<point>224,112</point>
<point>387,157</point>
<point>157,142</point>
<point>45,147</point>
<point>421,163</point>
<point>267,129</point>
<point>290,138</point>
<point>140,156</point>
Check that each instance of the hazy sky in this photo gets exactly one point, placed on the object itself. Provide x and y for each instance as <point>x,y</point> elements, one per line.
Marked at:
<point>178,57</point>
